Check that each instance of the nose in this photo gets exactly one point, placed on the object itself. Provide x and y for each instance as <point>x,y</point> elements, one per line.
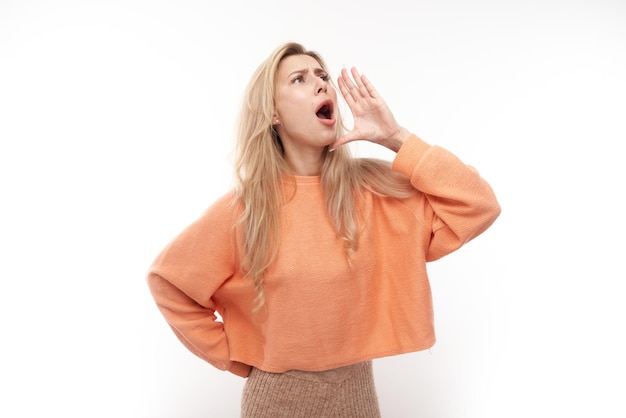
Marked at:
<point>322,86</point>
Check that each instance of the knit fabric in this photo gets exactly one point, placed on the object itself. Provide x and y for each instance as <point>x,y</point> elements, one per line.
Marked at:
<point>323,309</point>
<point>345,392</point>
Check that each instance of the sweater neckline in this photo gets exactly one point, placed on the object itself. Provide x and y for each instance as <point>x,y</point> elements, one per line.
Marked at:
<point>307,179</point>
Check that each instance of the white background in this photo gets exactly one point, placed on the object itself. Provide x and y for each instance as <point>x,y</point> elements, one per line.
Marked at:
<point>117,123</point>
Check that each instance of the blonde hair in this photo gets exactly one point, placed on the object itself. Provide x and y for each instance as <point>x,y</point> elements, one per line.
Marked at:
<point>260,170</point>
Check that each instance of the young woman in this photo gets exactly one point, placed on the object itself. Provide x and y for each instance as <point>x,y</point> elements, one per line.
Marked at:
<point>316,261</point>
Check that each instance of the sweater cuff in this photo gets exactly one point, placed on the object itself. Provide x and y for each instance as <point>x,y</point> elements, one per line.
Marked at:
<point>409,155</point>
<point>240,369</point>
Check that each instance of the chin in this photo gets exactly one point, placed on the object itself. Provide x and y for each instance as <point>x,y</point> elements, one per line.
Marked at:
<point>328,142</point>
<point>328,137</point>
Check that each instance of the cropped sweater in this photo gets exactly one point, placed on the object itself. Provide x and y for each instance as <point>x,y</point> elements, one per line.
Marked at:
<point>322,311</point>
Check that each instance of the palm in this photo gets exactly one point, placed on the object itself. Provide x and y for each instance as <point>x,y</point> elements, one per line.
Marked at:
<point>373,121</point>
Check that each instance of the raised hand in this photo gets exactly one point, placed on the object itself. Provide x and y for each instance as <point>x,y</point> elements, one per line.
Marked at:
<point>373,120</point>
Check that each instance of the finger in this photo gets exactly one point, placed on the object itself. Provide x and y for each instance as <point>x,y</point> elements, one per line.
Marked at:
<point>350,86</point>
<point>345,91</point>
<point>342,140</point>
<point>359,82</point>
<point>370,87</point>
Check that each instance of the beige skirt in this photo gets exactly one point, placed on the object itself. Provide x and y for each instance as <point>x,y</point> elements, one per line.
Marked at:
<point>345,392</point>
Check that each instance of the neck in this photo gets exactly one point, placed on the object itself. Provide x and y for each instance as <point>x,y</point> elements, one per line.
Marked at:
<point>305,163</point>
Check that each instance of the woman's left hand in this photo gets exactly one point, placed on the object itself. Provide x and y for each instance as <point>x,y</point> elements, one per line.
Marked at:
<point>373,120</point>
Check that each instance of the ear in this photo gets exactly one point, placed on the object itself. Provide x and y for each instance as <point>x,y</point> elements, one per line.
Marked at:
<point>275,120</point>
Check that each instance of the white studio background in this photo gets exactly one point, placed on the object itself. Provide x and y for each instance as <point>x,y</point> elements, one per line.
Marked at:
<point>117,122</point>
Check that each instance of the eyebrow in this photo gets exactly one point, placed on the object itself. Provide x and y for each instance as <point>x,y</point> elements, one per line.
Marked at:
<point>306,70</point>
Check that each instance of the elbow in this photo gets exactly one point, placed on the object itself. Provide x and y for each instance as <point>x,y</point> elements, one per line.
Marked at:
<point>489,214</point>
<point>494,211</point>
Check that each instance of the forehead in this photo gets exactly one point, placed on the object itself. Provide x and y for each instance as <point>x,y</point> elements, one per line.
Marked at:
<point>296,63</point>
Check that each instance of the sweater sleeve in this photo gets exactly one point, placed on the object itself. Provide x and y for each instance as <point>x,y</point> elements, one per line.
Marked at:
<point>184,277</point>
<point>463,203</point>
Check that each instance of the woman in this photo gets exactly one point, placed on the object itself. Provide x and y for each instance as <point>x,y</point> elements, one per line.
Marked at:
<point>316,261</point>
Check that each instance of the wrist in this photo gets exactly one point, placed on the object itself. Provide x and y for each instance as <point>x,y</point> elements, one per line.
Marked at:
<point>396,141</point>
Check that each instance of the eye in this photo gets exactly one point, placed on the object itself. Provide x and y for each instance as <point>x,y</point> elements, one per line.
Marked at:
<point>325,77</point>
<point>297,79</point>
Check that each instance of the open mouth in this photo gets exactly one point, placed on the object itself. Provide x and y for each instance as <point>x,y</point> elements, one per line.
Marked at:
<point>325,111</point>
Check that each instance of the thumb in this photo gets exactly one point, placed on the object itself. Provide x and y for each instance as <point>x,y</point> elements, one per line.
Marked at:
<point>344,139</point>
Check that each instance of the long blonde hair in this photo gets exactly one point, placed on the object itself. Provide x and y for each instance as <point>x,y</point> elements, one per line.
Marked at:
<point>260,170</point>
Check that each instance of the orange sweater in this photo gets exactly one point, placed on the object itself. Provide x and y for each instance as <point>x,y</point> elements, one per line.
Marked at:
<point>321,313</point>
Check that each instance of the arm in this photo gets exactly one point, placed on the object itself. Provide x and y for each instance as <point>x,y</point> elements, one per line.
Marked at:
<point>184,278</point>
<point>463,203</point>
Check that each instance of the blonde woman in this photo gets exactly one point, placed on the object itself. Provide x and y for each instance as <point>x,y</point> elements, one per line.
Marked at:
<point>316,260</point>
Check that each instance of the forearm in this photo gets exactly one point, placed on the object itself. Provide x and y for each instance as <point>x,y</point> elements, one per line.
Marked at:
<point>194,325</point>
<point>463,203</point>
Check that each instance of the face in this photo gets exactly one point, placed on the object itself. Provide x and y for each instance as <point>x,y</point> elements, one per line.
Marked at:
<point>305,115</point>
